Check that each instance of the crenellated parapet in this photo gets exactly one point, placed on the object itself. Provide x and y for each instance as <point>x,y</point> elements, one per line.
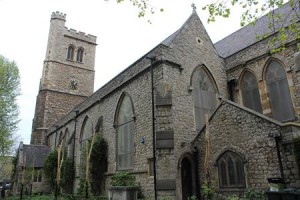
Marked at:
<point>58,20</point>
<point>58,15</point>
<point>80,35</point>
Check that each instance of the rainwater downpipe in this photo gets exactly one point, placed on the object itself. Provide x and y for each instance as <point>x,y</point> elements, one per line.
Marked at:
<point>153,59</point>
<point>56,127</point>
<point>277,140</point>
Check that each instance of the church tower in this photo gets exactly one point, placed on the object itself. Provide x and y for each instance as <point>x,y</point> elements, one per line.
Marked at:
<point>68,75</point>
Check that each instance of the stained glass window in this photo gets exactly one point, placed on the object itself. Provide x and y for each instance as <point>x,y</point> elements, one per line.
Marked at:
<point>231,170</point>
<point>250,92</point>
<point>125,131</point>
<point>204,94</point>
<point>279,93</point>
<point>85,142</point>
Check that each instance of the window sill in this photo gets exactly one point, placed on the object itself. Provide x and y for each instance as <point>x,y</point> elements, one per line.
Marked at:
<point>232,189</point>
<point>74,61</point>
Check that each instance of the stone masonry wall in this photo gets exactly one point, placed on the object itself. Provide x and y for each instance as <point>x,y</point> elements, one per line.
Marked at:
<point>60,37</point>
<point>107,107</point>
<point>56,97</point>
<point>251,136</point>
<point>58,76</point>
<point>51,106</point>
<point>255,59</point>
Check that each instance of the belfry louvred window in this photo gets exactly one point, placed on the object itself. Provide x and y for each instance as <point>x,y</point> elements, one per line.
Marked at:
<point>70,54</point>
<point>80,55</point>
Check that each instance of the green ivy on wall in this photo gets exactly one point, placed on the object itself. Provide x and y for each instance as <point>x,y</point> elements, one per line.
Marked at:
<point>50,168</point>
<point>98,164</point>
<point>68,173</point>
<point>123,179</point>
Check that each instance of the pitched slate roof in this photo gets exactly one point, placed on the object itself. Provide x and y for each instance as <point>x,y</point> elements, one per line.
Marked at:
<point>35,155</point>
<point>246,36</point>
<point>169,39</point>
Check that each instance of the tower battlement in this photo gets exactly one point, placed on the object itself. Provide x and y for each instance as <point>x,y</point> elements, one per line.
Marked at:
<point>57,96</point>
<point>58,15</point>
<point>82,35</point>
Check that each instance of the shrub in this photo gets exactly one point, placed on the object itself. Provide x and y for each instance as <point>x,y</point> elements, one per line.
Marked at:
<point>123,179</point>
<point>207,193</point>
<point>98,164</point>
<point>50,168</point>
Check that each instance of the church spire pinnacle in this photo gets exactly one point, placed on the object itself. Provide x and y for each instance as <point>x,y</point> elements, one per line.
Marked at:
<point>194,7</point>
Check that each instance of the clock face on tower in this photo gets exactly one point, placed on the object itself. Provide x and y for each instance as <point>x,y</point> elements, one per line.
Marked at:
<point>73,84</point>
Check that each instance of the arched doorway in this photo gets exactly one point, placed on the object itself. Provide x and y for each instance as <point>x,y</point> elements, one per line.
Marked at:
<point>186,179</point>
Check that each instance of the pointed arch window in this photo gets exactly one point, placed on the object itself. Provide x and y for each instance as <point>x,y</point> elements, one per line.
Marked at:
<point>80,55</point>
<point>231,170</point>
<point>125,133</point>
<point>70,54</point>
<point>250,92</point>
<point>279,93</point>
<point>85,142</point>
<point>204,94</point>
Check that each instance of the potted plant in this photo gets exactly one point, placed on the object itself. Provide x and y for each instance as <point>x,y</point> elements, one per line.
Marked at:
<point>123,187</point>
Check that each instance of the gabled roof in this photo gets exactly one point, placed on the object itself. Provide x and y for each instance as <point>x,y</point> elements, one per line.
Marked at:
<point>168,41</point>
<point>246,36</point>
<point>35,155</point>
<point>242,108</point>
<point>251,112</point>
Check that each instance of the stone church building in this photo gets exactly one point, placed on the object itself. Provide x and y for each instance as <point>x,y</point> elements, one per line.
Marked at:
<point>225,114</point>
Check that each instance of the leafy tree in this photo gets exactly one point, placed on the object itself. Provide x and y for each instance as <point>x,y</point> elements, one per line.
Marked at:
<point>143,7</point>
<point>253,9</point>
<point>9,112</point>
<point>6,167</point>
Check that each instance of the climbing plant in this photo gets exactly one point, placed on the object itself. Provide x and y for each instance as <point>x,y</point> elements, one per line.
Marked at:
<point>50,168</point>
<point>97,167</point>
<point>207,193</point>
<point>68,173</point>
<point>98,164</point>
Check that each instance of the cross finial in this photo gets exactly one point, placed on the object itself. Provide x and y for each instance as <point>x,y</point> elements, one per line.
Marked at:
<point>194,7</point>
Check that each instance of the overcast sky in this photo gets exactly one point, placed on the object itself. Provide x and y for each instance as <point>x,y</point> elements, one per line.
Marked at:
<point>122,37</point>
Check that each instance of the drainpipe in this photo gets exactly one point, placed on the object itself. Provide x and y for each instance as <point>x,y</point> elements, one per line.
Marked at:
<point>231,86</point>
<point>73,156</point>
<point>277,140</point>
<point>55,135</point>
<point>153,59</point>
